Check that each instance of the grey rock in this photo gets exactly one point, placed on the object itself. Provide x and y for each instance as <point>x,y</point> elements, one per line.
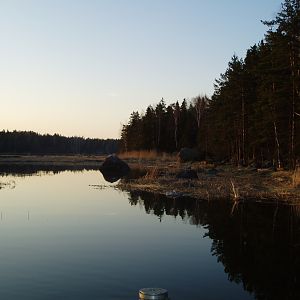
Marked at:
<point>188,154</point>
<point>113,168</point>
<point>187,174</point>
<point>212,172</point>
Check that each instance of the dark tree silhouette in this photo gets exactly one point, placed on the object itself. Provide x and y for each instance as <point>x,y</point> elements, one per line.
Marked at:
<point>253,114</point>
<point>28,142</point>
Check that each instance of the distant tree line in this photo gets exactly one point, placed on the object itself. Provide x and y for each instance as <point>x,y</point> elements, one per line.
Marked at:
<point>28,142</point>
<point>253,114</point>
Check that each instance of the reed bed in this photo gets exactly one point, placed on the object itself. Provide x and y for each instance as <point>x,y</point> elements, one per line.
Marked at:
<point>146,155</point>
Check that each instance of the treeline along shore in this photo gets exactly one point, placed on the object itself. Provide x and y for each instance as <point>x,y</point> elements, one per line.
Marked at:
<point>32,143</point>
<point>253,115</point>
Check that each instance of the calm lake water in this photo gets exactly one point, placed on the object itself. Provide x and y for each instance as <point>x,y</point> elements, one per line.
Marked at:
<point>71,235</point>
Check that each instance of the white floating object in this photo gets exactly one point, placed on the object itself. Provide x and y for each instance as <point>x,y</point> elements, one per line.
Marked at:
<point>153,294</point>
<point>173,194</point>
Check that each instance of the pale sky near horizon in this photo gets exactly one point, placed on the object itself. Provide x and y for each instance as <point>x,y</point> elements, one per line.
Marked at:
<point>80,67</point>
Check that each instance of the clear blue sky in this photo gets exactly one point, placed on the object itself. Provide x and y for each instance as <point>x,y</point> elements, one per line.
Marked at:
<point>80,67</point>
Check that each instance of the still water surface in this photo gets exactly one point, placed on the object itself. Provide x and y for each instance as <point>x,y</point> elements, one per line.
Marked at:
<point>71,235</point>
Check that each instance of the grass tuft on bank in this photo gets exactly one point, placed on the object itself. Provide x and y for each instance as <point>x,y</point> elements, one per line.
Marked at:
<point>214,182</point>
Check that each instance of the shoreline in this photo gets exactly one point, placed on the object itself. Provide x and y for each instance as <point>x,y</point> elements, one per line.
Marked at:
<point>214,181</point>
<point>52,160</point>
<point>158,175</point>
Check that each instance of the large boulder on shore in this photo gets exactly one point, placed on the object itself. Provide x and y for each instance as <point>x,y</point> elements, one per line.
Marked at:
<point>187,174</point>
<point>188,154</point>
<point>113,168</point>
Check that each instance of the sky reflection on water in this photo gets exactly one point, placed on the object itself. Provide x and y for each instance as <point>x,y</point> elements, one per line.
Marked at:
<point>64,238</point>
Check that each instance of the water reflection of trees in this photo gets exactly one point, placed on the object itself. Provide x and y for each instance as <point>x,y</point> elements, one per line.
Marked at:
<point>28,169</point>
<point>258,244</point>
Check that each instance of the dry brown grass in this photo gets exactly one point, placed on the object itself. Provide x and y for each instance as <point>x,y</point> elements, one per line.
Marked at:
<point>287,178</point>
<point>200,165</point>
<point>144,154</point>
<point>229,182</point>
<point>152,173</point>
<point>296,177</point>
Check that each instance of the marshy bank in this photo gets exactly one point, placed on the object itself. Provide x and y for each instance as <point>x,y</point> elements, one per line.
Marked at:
<point>159,174</point>
<point>169,177</point>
